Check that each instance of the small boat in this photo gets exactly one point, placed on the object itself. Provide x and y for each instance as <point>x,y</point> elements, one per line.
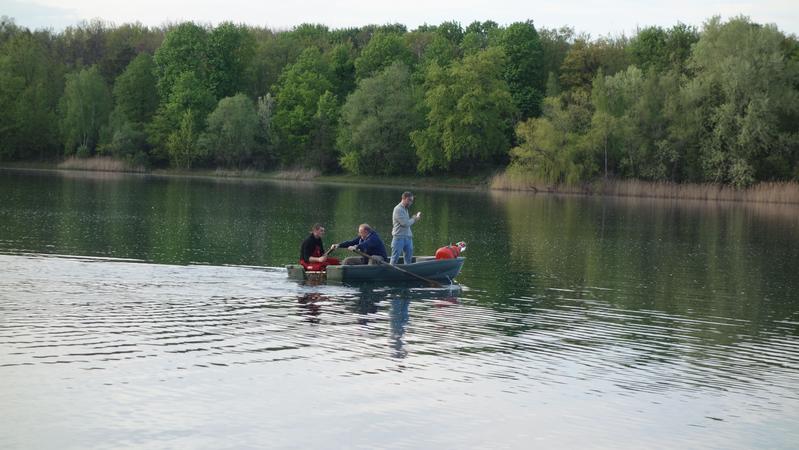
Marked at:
<point>423,267</point>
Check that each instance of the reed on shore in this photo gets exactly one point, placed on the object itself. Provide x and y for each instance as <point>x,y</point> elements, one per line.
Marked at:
<point>766,192</point>
<point>99,164</point>
<point>297,174</point>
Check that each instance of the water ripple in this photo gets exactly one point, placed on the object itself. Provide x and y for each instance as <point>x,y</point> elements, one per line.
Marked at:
<point>121,323</point>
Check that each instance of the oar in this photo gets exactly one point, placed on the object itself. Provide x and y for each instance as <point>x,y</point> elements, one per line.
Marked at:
<point>426,280</point>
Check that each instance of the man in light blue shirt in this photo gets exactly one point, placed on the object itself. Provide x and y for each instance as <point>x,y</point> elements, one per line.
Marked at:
<point>402,237</point>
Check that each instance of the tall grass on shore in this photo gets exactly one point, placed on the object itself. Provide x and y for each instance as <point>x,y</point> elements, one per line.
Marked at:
<point>228,173</point>
<point>766,192</point>
<point>99,163</point>
<point>297,174</point>
<point>513,181</point>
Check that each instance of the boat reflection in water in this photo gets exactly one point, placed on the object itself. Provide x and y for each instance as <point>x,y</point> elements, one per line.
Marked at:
<point>380,310</point>
<point>310,306</point>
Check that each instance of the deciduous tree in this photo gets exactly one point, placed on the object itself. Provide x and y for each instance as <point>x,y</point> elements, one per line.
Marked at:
<point>376,122</point>
<point>185,49</point>
<point>470,114</point>
<point>84,110</point>
<point>230,53</point>
<point>135,92</point>
<point>524,70</point>
<point>31,82</point>
<point>231,132</point>
<point>301,86</point>
<point>745,90</point>
<point>382,51</point>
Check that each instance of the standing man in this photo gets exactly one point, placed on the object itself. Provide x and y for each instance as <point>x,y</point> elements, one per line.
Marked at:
<point>311,256</point>
<point>402,237</point>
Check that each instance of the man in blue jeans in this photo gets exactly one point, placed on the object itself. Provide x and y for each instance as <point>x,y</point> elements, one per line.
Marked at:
<point>401,235</point>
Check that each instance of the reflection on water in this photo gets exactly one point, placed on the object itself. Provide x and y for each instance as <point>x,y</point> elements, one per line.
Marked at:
<point>400,313</point>
<point>81,336</point>
<point>311,303</point>
<point>577,322</point>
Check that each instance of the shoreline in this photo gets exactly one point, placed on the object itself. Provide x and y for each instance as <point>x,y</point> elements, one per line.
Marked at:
<point>764,192</point>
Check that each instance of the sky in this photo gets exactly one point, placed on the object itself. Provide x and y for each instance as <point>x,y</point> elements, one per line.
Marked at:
<point>598,18</point>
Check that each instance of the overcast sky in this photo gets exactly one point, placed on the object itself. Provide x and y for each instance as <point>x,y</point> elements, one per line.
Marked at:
<point>599,18</point>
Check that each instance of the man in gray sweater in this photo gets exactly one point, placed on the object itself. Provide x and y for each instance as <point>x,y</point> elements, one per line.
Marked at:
<point>402,237</point>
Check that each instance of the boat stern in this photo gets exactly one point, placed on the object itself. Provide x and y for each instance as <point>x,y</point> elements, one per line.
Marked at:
<point>335,273</point>
<point>296,272</point>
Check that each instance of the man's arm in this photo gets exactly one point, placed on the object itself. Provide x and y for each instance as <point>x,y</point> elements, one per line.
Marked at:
<point>350,243</point>
<point>401,216</point>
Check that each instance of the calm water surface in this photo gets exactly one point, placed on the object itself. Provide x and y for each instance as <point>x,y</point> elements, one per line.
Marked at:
<point>144,312</point>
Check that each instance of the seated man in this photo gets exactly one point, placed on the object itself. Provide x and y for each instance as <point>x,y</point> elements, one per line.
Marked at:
<point>368,242</point>
<point>311,256</point>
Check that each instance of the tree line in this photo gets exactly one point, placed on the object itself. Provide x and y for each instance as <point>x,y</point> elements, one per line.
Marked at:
<point>720,104</point>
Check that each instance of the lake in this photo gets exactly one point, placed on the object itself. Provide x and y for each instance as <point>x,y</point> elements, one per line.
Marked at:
<point>155,312</point>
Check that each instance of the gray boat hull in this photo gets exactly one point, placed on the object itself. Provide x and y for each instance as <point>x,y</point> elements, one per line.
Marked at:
<point>427,267</point>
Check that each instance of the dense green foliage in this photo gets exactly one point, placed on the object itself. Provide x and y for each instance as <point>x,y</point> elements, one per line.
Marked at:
<point>30,87</point>
<point>376,123</point>
<point>84,109</point>
<point>679,104</point>
<point>720,106</point>
<point>232,131</point>
<point>470,112</point>
<point>298,93</point>
<point>524,69</point>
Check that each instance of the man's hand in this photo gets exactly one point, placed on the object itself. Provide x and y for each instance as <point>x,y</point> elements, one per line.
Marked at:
<point>352,248</point>
<point>418,216</point>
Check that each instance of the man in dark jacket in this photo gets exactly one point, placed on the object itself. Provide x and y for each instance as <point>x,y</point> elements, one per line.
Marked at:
<point>311,256</point>
<point>367,241</point>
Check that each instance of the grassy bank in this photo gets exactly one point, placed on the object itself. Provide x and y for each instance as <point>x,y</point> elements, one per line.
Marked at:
<point>413,181</point>
<point>108,164</point>
<point>99,164</point>
<point>766,192</point>
<point>771,192</point>
<point>247,174</point>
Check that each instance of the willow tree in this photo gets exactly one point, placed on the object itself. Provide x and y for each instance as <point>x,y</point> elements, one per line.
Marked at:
<point>556,148</point>
<point>747,103</point>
